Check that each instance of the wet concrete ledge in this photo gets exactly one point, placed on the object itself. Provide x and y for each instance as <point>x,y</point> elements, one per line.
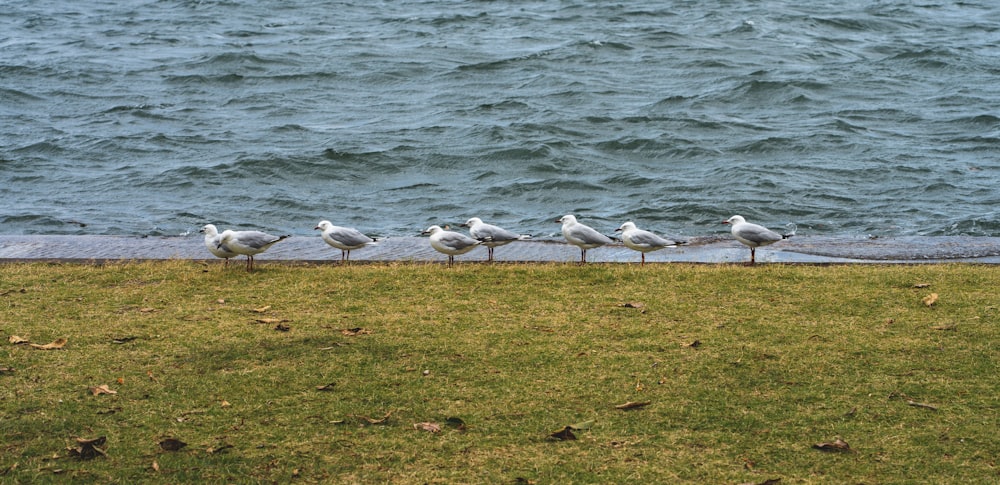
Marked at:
<point>721,249</point>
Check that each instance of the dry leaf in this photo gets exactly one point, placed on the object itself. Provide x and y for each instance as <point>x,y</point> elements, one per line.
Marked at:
<point>328,387</point>
<point>456,423</point>
<point>694,345</point>
<point>224,404</point>
<point>156,466</point>
<point>220,301</point>
<point>633,405</point>
<point>382,420</point>
<point>930,299</point>
<point>565,434</point>
<point>836,445</point>
<point>633,304</point>
<point>150,374</point>
<point>56,345</point>
<point>350,332</point>
<point>432,427</point>
<point>269,321</point>
<point>922,285</point>
<point>218,449</point>
<point>6,370</point>
<point>172,444</point>
<point>281,327</point>
<point>147,310</point>
<point>261,309</point>
<point>921,405</point>
<point>121,340</point>
<point>102,389</point>
<point>14,339</point>
<point>88,449</point>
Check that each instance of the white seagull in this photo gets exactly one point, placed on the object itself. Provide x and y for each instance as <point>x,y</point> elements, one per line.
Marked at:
<point>643,241</point>
<point>450,243</point>
<point>248,243</point>
<point>344,238</point>
<point>212,239</point>
<point>582,236</point>
<point>492,236</point>
<point>754,235</point>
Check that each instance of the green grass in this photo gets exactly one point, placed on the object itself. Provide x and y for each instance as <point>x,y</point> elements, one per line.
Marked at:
<point>744,369</point>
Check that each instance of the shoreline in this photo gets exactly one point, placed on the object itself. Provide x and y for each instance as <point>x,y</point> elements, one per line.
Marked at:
<point>716,249</point>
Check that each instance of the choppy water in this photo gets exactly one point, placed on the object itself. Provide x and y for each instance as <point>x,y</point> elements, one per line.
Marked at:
<point>155,117</point>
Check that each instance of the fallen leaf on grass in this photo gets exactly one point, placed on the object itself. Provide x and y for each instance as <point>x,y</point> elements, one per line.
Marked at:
<point>694,345</point>
<point>56,345</point>
<point>382,420</point>
<point>268,321</point>
<point>921,405</point>
<point>633,304</point>
<point>328,387</point>
<point>261,309</point>
<point>930,299</point>
<point>14,339</point>
<point>6,370</point>
<point>565,434</point>
<point>633,405</point>
<point>456,423</point>
<point>88,449</point>
<point>350,332</point>
<point>835,445</point>
<point>922,285</point>
<point>281,327</point>
<point>219,449</point>
<point>122,340</point>
<point>431,427</point>
<point>147,310</point>
<point>156,466</point>
<point>101,389</point>
<point>172,444</point>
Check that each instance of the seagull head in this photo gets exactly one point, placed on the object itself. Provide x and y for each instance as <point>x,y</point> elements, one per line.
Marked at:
<point>472,222</point>
<point>323,225</point>
<point>628,226</point>
<point>566,219</point>
<point>734,220</point>
<point>432,230</point>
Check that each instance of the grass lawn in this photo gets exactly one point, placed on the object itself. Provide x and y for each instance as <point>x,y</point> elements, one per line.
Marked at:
<point>420,373</point>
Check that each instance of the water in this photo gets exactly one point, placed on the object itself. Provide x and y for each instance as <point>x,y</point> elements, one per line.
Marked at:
<point>156,117</point>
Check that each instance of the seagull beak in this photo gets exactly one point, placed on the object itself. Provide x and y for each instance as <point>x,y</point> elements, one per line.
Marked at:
<point>618,230</point>
<point>317,227</point>
<point>725,222</point>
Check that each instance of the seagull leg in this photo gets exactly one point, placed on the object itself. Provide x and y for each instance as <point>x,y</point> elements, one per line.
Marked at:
<point>490,251</point>
<point>583,256</point>
<point>643,263</point>
<point>451,261</point>
<point>753,255</point>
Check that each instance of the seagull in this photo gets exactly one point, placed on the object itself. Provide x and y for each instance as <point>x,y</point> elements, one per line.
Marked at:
<point>492,236</point>
<point>643,241</point>
<point>753,235</point>
<point>212,239</point>
<point>585,237</point>
<point>450,243</point>
<point>248,243</point>
<point>344,238</point>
